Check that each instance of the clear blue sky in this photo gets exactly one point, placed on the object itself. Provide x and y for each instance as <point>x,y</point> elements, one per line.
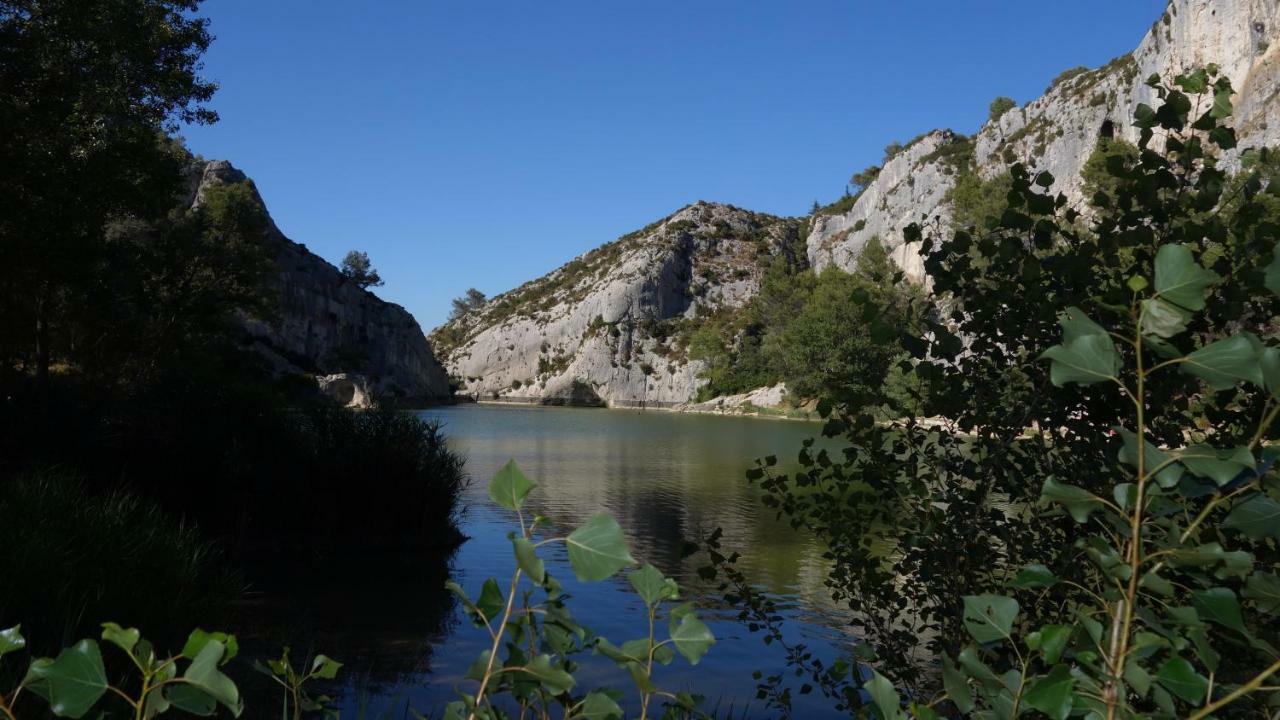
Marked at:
<point>484,142</point>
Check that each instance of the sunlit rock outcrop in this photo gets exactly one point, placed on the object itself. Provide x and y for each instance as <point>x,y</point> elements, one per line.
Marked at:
<point>1059,130</point>
<point>612,326</point>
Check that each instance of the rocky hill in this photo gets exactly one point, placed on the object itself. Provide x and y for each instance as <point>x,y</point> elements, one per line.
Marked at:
<point>325,325</point>
<point>611,326</point>
<point>1059,130</point>
<point>607,327</point>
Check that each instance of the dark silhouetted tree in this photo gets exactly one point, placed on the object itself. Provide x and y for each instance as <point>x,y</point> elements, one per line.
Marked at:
<point>88,91</point>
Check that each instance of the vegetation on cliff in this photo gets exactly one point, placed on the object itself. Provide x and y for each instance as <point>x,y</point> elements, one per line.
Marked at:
<point>1087,533</point>
<point>810,331</point>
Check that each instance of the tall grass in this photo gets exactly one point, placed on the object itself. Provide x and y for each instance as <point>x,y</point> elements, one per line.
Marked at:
<point>71,558</point>
<point>378,478</point>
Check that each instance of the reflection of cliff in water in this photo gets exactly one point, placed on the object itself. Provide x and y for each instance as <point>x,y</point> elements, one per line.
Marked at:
<point>667,478</point>
<point>380,615</point>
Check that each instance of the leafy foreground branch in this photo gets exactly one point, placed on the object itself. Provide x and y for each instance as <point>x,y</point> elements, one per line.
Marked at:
<point>1162,580</point>
<point>76,681</point>
<point>535,638</point>
<point>528,670</point>
<point>1094,530</point>
<point>1169,610</point>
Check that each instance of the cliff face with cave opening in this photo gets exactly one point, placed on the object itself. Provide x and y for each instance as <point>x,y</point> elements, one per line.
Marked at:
<point>600,329</point>
<point>324,324</point>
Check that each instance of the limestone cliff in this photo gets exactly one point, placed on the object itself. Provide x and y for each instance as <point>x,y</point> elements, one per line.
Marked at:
<point>324,324</point>
<point>1059,130</point>
<point>610,327</point>
<point>606,327</point>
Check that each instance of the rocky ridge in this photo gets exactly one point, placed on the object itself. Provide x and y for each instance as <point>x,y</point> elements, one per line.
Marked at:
<point>1058,131</point>
<point>324,324</point>
<point>610,327</point>
<point>598,330</point>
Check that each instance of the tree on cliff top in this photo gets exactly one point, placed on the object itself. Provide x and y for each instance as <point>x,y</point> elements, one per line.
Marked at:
<point>472,300</point>
<point>357,266</point>
<point>999,107</point>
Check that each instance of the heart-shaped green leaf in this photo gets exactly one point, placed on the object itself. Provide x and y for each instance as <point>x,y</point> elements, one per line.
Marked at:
<point>1221,466</point>
<point>1053,641</point>
<point>199,638</point>
<point>957,686</point>
<point>1180,279</point>
<point>1153,458</point>
<point>692,638</point>
<point>1257,516</point>
<point>1032,577</point>
<point>1263,588</point>
<point>632,651</point>
<point>190,699</point>
<point>1219,605</point>
<point>552,677</point>
<point>886,699</point>
<point>989,617</point>
<point>528,561</point>
<point>1227,362</point>
<point>125,639</point>
<point>509,486</point>
<point>1052,694</point>
<point>652,586</point>
<point>325,667</point>
<point>1162,318</point>
<point>1272,278</point>
<point>598,706</point>
<point>11,640</point>
<point>1180,678</point>
<point>1086,360</point>
<point>73,682</point>
<point>1137,677</point>
<point>1076,324</point>
<point>598,549</point>
<point>1078,502</point>
<point>491,600</point>
<point>203,673</point>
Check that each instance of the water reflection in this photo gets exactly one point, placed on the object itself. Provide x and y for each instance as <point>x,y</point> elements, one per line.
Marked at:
<point>666,478</point>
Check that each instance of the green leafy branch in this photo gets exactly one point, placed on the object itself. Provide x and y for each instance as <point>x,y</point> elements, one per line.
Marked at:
<point>534,636</point>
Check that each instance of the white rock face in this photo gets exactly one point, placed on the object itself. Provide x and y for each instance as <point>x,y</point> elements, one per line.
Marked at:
<point>347,390</point>
<point>607,326</point>
<point>765,397</point>
<point>324,324</point>
<point>1059,130</point>
<point>593,330</point>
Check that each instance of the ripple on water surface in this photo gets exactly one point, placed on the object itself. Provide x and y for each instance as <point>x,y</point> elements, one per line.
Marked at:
<point>667,478</point>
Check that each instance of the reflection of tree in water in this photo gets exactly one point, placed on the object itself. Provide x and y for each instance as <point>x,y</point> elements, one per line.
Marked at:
<point>377,614</point>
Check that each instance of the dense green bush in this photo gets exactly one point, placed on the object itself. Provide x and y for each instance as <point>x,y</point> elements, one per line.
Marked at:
<point>812,331</point>
<point>999,107</point>
<point>926,522</point>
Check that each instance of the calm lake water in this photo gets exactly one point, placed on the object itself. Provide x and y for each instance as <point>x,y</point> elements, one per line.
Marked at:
<point>667,478</point>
